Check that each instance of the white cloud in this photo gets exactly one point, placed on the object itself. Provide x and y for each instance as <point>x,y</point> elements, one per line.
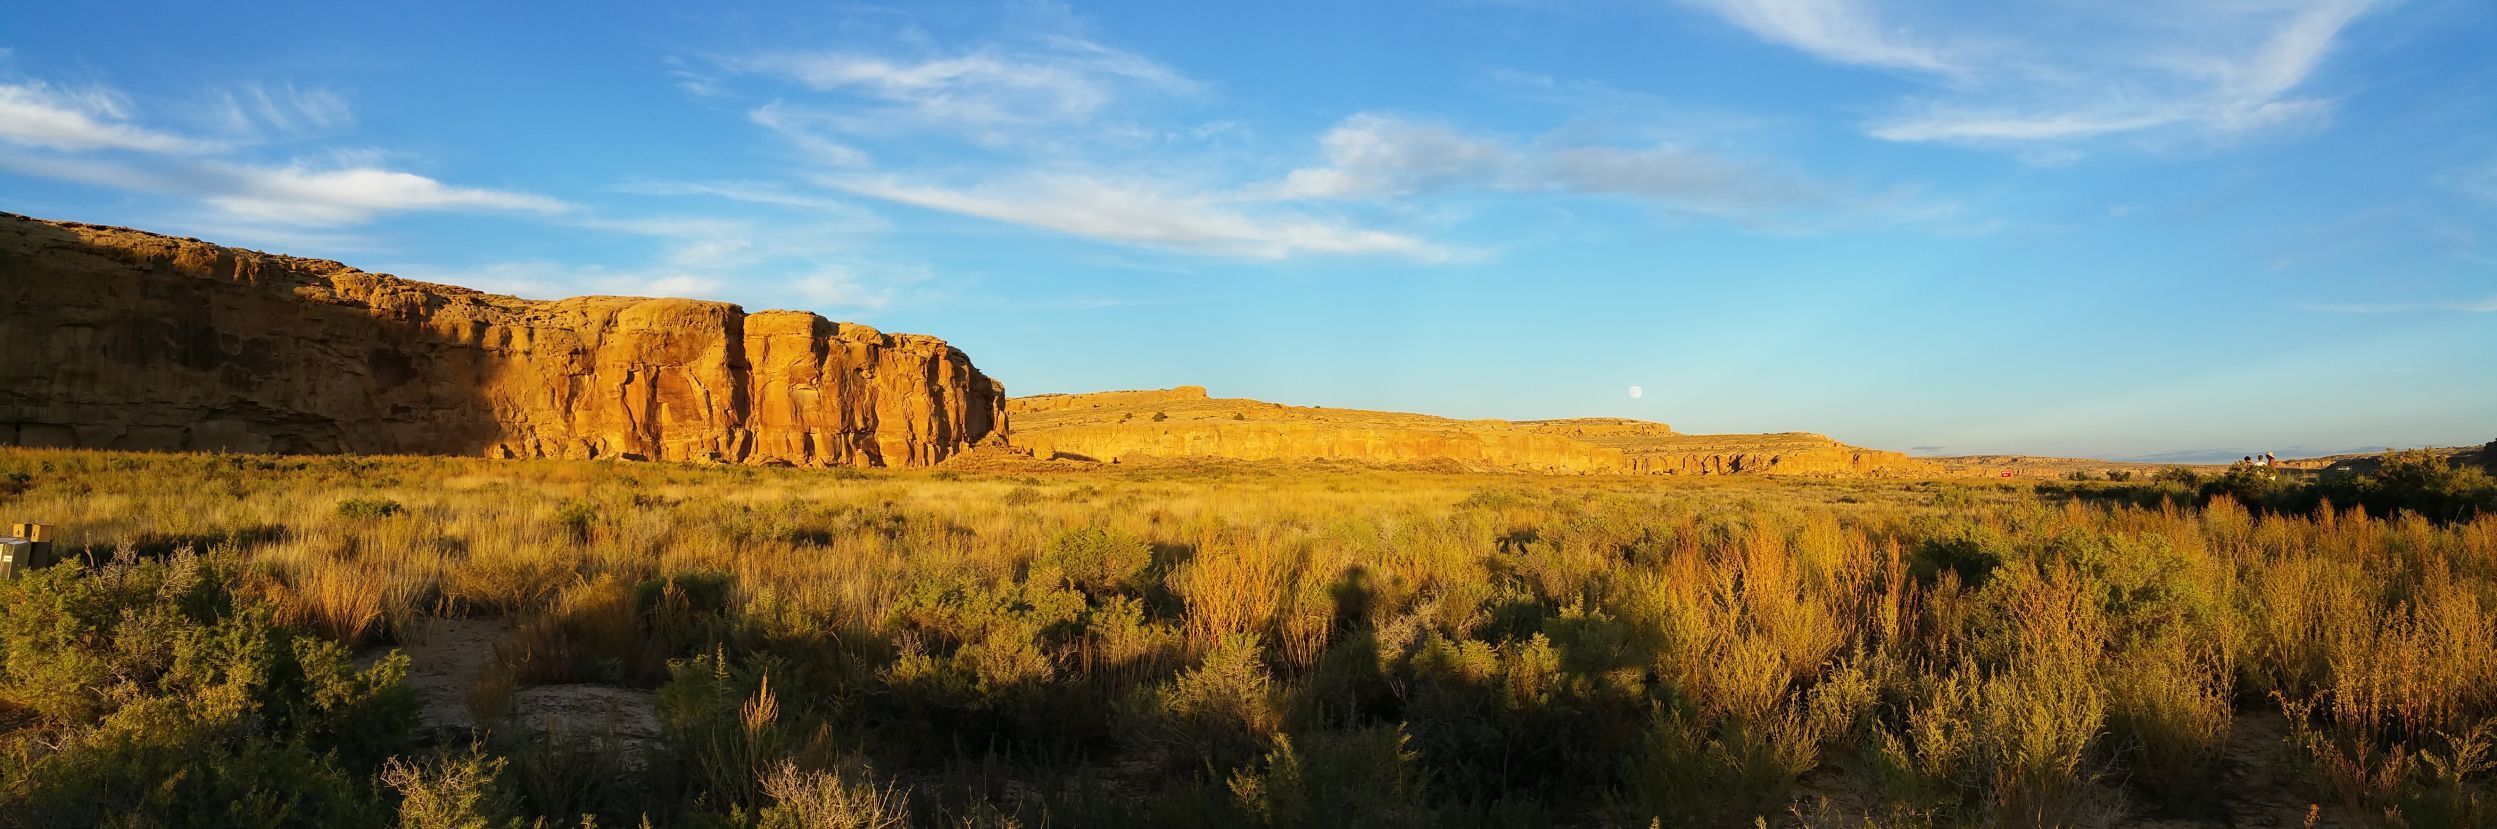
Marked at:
<point>1055,79</point>
<point>93,140</point>
<point>1844,31</point>
<point>1148,213</point>
<point>40,115</point>
<point>2061,74</point>
<point>1372,156</point>
<point>299,194</point>
<point>295,194</point>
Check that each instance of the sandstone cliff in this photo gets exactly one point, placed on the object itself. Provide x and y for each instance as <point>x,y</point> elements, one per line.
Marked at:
<point>123,339</point>
<point>1185,422</point>
<point>1785,453</point>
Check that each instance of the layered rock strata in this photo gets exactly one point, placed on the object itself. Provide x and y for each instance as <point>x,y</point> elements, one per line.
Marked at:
<point>1186,422</point>
<point>123,339</point>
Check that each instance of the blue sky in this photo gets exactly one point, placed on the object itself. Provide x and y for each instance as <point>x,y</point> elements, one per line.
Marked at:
<point>2038,227</point>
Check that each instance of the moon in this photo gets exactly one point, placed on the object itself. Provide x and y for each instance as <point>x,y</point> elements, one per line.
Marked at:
<point>1635,392</point>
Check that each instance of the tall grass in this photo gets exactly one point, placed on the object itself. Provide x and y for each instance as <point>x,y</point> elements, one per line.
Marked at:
<point>1257,646</point>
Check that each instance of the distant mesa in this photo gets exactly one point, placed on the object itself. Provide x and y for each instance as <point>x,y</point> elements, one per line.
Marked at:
<point>1185,422</point>
<point>123,339</point>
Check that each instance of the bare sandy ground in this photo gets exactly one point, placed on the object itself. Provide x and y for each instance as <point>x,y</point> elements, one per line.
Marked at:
<point>446,656</point>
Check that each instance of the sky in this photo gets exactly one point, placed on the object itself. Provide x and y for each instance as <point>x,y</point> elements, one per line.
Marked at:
<point>2124,230</point>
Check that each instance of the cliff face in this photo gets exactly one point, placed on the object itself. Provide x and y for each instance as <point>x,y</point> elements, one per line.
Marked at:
<point>1184,422</point>
<point>121,339</point>
<point>1318,441</point>
<point>1783,453</point>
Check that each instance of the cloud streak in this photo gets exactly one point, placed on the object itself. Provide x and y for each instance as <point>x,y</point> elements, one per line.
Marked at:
<point>2057,75</point>
<point>1148,213</point>
<point>1842,31</point>
<point>36,114</point>
<point>283,109</point>
<point>1374,156</point>
<point>2471,306</point>
<point>1053,79</point>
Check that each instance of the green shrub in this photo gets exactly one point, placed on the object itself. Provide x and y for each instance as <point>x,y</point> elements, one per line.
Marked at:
<point>159,696</point>
<point>577,517</point>
<point>369,509</point>
<point>2179,476</point>
<point>1336,778</point>
<point>831,800</point>
<point>2426,483</point>
<point>452,791</point>
<point>1098,560</point>
<point>1223,711</point>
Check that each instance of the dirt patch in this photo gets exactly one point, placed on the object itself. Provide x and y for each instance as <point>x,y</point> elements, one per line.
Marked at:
<point>447,656</point>
<point>2261,780</point>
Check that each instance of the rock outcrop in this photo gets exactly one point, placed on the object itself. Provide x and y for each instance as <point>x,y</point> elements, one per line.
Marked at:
<point>1786,453</point>
<point>122,339</point>
<point>1185,422</point>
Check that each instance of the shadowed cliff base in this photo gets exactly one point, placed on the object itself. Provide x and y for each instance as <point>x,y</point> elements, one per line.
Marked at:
<point>131,340</point>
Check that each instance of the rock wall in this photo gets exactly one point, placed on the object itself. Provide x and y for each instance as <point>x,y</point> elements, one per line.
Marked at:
<point>1314,440</point>
<point>1837,460</point>
<point>1185,422</point>
<point>1107,399</point>
<point>122,339</point>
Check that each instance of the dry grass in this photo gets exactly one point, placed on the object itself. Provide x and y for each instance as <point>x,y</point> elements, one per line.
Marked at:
<point>1988,654</point>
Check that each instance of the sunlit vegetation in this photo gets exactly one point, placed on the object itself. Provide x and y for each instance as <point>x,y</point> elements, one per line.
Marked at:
<point>1240,647</point>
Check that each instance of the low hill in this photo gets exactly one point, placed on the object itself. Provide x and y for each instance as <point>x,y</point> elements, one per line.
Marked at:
<point>1187,422</point>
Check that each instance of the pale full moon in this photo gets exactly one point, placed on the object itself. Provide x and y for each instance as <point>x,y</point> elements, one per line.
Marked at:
<point>1636,391</point>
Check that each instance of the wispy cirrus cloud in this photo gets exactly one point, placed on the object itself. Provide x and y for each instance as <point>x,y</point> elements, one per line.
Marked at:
<point>1041,125</point>
<point>1373,156</point>
<point>2050,74</point>
<point>1056,78</point>
<point>1147,212</point>
<point>2473,306</point>
<point>2477,180</point>
<point>282,109</point>
<point>1055,131</point>
<point>1845,31</point>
